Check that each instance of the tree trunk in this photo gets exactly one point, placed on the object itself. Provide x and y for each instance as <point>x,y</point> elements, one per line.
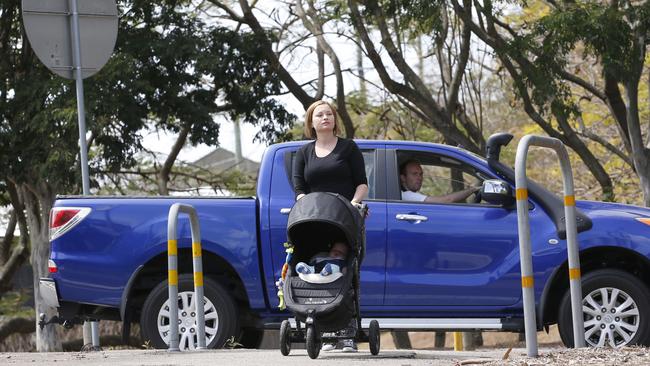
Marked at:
<point>7,241</point>
<point>439,340</point>
<point>165,170</point>
<point>17,254</point>
<point>401,339</point>
<point>640,153</point>
<point>8,269</point>
<point>38,199</point>
<point>313,24</point>
<point>363,89</point>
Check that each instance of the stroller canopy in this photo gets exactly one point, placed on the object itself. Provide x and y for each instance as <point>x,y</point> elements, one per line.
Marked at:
<point>321,218</point>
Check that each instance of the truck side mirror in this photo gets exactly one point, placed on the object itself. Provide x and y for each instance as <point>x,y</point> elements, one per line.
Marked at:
<point>497,192</point>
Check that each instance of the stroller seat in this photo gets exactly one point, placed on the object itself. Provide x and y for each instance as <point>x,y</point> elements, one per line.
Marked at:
<point>318,278</point>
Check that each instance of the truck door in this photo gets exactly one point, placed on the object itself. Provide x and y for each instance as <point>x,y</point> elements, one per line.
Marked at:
<point>282,198</point>
<point>455,254</point>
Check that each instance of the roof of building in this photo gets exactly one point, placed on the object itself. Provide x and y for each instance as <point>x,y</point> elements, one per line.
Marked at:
<point>221,160</point>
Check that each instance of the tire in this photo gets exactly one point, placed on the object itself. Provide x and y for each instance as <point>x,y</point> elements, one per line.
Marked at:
<point>373,337</point>
<point>631,299</point>
<point>313,342</point>
<point>285,338</point>
<point>221,318</point>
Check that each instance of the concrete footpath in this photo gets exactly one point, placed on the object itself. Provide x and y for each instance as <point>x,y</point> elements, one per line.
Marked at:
<point>258,357</point>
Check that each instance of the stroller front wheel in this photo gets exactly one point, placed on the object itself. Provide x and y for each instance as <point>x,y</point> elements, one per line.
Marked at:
<point>313,342</point>
<point>374,337</point>
<point>285,338</point>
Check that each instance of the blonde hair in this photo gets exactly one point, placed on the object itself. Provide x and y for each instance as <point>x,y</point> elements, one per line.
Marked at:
<point>310,132</point>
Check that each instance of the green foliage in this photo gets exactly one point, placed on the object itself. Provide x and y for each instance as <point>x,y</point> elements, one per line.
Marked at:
<point>605,31</point>
<point>387,120</point>
<point>170,69</point>
<point>15,303</point>
<point>416,16</point>
<point>602,31</point>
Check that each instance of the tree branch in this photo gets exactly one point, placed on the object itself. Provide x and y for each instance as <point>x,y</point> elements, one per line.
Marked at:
<point>460,67</point>
<point>313,24</point>
<point>163,175</point>
<point>267,49</point>
<point>8,237</point>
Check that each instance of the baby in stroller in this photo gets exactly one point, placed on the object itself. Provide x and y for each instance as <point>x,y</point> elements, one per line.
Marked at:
<point>326,263</point>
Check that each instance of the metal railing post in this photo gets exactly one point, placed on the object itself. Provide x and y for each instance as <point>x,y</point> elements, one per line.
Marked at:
<point>172,262</point>
<point>527,282</point>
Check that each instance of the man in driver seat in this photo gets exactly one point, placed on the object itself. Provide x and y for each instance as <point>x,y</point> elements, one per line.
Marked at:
<point>410,177</point>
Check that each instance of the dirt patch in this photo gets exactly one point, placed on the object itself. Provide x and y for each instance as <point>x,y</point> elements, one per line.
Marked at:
<point>425,340</point>
<point>580,356</point>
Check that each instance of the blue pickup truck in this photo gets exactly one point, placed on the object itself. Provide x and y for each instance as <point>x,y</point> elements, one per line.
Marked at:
<point>428,266</point>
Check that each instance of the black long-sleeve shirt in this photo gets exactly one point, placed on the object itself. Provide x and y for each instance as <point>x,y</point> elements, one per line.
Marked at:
<point>339,172</point>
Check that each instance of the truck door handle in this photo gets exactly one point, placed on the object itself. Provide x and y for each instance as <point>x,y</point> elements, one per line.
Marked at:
<point>416,219</point>
<point>285,211</point>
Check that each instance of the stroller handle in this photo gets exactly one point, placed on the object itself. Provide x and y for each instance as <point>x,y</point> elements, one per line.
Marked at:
<point>363,209</point>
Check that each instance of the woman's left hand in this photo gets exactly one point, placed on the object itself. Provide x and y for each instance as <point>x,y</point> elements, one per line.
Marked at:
<point>363,209</point>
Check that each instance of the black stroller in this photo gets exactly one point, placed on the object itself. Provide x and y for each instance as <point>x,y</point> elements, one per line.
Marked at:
<point>324,311</point>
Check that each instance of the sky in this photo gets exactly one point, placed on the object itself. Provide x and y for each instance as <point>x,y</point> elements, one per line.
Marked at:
<point>160,143</point>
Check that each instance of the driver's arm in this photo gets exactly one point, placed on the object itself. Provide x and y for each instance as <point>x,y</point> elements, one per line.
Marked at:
<point>453,197</point>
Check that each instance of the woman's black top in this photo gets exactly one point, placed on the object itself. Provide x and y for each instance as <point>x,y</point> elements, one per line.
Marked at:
<point>339,172</point>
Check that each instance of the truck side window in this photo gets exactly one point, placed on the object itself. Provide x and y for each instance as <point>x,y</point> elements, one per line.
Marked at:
<point>441,175</point>
<point>368,157</point>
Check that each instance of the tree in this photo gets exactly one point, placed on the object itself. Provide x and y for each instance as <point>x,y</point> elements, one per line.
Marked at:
<point>170,71</point>
<point>439,107</point>
<point>186,72</point>
<point>13,253</point>
<point>537,56</point>
<point>314,21</point>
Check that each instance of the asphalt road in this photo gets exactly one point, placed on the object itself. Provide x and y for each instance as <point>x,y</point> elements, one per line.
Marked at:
<point>255,357</point>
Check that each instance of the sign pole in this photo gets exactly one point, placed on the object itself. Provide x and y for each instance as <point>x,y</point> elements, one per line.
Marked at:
<point>83,149</point>
<point>81,110</point>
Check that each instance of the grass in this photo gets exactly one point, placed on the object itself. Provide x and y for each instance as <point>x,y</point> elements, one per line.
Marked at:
<point>13,303</point>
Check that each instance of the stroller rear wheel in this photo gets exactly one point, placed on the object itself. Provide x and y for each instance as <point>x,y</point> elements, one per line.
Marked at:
<point>313,342</point>
<point>285,338</point>
<point>373,337</point>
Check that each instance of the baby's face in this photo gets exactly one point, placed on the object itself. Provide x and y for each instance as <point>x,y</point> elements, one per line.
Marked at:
<point>339,250</point>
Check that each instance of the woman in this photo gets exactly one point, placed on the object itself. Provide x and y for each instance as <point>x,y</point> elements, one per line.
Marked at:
<point>329,164</point>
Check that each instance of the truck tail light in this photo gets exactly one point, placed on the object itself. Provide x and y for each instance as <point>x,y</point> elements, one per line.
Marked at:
<point>62,219</point>
<point>51,266</point>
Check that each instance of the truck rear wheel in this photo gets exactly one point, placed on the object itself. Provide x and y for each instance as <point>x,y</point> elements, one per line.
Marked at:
<point>221,319</point>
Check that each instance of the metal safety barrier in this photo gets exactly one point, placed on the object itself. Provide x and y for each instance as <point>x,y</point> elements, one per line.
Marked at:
<point>172,262</point>
<point>527,282</point>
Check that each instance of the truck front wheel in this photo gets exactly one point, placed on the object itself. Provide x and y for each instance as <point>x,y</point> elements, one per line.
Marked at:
<point>615,306</point>
<point>221,319</point>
